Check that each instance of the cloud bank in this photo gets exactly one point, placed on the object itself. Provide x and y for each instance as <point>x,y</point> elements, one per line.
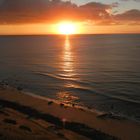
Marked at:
<point>48,11</point>
<point>131,0</point>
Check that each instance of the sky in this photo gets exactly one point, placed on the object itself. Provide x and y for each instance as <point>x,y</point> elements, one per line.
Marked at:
<point>90,16</point>
<point>123,4</point>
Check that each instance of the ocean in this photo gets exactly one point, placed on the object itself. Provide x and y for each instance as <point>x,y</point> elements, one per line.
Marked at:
<point>95,71</point>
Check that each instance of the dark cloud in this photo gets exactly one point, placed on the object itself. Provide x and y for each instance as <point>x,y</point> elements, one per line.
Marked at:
<point>131,0</point>
<point>130,17</point>
<point>133,15</point>
<point>19,11</point>
<point>38,11</point>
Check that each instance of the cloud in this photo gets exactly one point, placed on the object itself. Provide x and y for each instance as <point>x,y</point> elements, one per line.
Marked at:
<point>19,11</point>
<point>131,0</point>
<point>129,17</point>
<point>45,11</point>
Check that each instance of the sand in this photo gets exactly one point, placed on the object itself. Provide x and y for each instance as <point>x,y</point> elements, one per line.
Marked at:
<point>23,116</point>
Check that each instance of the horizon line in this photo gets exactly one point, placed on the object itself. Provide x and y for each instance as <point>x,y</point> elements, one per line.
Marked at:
<point>64,34</point>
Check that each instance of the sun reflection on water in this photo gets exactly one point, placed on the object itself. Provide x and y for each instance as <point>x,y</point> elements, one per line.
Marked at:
<point>68,73</point>
<point>67,58</point>
<point>67,97</point>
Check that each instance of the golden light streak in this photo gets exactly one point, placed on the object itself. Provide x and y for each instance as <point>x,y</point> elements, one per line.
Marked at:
<point>67,28</point>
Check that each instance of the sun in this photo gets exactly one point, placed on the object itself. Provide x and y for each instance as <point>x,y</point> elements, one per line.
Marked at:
<point>66,28</point>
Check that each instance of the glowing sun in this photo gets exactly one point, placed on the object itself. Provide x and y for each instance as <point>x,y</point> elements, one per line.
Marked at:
<point>66,28</point>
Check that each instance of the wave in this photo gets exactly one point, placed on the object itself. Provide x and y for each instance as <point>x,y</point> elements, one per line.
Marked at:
<point>98,93</point>
<point>77,86</point>
<point>62,78</point>
<point>85,89</point>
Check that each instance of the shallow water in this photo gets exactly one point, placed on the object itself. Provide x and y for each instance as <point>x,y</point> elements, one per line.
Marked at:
<point>99,71</point>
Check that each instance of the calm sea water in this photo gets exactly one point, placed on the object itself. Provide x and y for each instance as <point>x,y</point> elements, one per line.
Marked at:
<point>97,71</point>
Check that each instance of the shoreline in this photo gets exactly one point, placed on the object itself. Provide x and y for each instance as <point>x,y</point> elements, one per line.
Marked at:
<point>110,109</point>
<point>66,104</point>
<point>84,108</point>
<point>106,125</point>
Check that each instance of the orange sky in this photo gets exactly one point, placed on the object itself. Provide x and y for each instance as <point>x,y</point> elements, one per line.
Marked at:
<point>41,17</point>
<point>52,29</point>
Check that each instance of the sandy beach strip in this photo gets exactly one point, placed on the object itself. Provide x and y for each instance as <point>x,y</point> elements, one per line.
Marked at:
<point>25,116</point>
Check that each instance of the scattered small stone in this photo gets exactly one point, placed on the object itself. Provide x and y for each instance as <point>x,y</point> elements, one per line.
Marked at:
<point>73,105</point>
<point>50,102</point>
<point>110,116</point>
<point>62,105</point>
<point>89,107</point>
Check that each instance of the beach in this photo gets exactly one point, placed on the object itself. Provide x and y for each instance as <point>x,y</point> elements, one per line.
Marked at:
<point>69,70</point>
<point>33,117</point>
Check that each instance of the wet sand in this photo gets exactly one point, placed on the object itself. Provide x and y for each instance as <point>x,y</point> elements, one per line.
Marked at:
<point>23,116</point>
